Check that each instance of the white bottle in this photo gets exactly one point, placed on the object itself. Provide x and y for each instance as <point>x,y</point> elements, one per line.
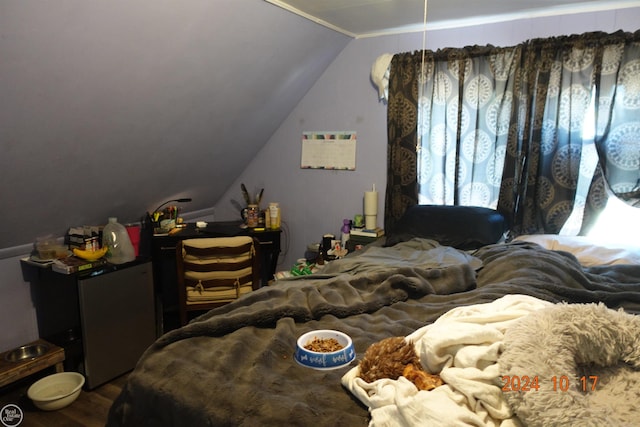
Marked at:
<point>274,215</point>
<point>116,238</point>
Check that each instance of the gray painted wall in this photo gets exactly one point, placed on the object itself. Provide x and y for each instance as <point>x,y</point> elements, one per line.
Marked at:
<point>111,108</point>
<point>155,100</point>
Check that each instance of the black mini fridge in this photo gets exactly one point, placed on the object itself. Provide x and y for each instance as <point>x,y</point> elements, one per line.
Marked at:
<point>117,317</point>
<point>104,318</point>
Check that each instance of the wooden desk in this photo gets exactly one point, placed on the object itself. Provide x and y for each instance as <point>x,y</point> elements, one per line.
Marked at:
<point>163,255</point>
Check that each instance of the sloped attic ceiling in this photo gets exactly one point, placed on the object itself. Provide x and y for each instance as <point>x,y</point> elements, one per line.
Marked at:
<point>366,18</point>
<point>110,108</point>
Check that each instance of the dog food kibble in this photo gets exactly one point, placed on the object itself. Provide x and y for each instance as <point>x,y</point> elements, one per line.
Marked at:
<point>323,345</point>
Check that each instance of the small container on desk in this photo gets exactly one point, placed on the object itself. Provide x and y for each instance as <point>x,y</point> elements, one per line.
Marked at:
<point>252,216</point>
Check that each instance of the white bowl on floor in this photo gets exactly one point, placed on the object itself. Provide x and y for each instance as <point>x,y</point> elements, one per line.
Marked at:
<point>56,391</point>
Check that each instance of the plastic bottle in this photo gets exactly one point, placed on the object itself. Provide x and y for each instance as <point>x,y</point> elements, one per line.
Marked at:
<point>346,232</point>
<point>116,238</point>
<point>274,215</point>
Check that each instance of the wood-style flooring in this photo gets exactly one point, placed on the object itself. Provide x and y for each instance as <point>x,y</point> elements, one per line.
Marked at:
<point>89,410</point>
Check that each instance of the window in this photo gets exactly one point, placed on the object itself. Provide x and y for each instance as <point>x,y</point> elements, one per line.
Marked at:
<point>528,129</point>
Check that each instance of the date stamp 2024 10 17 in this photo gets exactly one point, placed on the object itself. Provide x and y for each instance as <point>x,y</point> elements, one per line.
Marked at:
<point>561,383</point>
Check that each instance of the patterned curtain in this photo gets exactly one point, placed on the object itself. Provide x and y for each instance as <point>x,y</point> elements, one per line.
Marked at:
<point>511,128</point>
<point>544,162</point>
<point>466,107</point>
<point>402,121</point>
<point>453,107</point>
<point>617,114</point>
<point>569,85</point>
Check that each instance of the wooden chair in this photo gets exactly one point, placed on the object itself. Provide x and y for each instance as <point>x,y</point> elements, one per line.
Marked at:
<point>215,271</point>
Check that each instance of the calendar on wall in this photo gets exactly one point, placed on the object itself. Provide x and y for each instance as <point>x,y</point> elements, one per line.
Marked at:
<point>328,150</point>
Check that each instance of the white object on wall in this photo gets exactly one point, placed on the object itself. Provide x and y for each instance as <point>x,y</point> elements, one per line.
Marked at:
<point>380,75</point>
<point>329,150</point>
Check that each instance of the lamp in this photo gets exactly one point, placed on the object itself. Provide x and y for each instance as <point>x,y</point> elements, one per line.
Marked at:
<point>147,229</point>
<point>184,200</point>
<point>155,219</point>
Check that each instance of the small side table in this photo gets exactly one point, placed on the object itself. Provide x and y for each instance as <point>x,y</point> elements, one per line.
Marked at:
<point>13,371</point>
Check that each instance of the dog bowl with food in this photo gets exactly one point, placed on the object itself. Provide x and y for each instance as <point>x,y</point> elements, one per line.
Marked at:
<point>56,391</point>
<point>324,349</point>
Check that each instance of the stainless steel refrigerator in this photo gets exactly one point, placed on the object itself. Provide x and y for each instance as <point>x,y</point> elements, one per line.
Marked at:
<point>117,314</point>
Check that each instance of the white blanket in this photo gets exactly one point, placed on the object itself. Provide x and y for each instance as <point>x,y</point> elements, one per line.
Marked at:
<point>463,346</point>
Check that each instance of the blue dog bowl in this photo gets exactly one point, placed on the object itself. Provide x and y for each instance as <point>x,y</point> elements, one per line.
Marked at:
<point>325,360</point>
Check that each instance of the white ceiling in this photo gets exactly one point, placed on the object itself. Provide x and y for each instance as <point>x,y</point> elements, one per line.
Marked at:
<point>367,18</point>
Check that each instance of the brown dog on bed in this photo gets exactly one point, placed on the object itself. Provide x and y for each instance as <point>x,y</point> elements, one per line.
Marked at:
<point>394,357</point>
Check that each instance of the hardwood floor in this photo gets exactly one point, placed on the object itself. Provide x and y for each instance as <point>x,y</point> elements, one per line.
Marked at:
<point>89,410</point>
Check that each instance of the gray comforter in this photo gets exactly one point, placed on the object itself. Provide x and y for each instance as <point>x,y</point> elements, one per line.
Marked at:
<point>234,365</point>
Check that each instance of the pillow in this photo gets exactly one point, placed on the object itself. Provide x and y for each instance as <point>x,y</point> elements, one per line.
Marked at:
<point>617,223</point>
<point>587,250</point>
<point>462,227</point>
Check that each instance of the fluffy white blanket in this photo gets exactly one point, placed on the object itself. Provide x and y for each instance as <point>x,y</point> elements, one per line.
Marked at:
<point>463,346</point>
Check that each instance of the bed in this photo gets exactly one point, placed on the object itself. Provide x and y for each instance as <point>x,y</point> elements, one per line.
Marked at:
<point>465,300</point>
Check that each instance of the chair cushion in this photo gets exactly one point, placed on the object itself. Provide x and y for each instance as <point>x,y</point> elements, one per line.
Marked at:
<point>211,273</point>
<point>196,297</point>
<point>221,242</point>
